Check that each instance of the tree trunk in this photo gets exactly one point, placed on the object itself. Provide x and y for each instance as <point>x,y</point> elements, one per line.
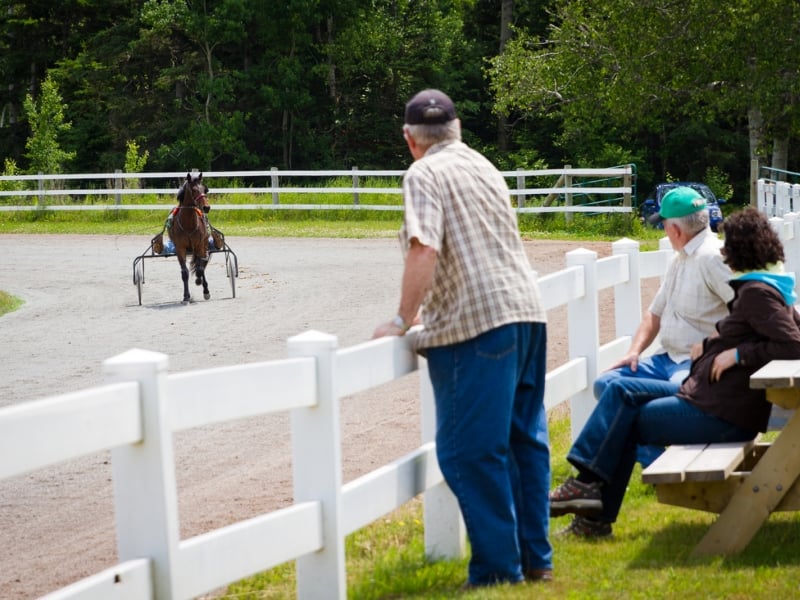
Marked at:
<point>780,154</point>
<point>331,65</point>
<point>755,129</point>
<point>506,15</point>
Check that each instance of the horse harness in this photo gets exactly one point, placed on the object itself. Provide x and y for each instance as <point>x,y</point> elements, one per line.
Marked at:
<point>199,212</point>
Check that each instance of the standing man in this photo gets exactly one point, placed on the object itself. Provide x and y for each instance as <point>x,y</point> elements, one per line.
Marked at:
<point>485,340</point>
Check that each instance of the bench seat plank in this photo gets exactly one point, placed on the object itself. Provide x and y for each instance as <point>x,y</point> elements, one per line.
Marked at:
<point>670,467</point>
<point>697,462</point>
<point>718,461</point>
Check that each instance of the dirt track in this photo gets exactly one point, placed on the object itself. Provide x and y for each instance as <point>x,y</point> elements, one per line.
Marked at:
<point>81,307</point>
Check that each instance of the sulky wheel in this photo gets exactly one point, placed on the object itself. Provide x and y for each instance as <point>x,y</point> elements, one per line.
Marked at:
<point>138,279</point>
<point>233,271</point>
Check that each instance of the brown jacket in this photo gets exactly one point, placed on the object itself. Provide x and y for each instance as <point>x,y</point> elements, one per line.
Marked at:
<point>762,327</point>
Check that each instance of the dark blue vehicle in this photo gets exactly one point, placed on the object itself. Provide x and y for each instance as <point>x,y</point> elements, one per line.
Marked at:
<point>653,202</point>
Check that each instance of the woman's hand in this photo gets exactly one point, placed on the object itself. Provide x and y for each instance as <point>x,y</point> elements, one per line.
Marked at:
<point>697,350</point>
<point>722,362</point>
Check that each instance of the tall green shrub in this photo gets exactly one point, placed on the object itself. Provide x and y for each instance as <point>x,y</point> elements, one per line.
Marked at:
<point>45,116</point>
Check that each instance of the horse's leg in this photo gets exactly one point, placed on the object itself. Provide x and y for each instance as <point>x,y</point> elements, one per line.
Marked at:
<point>206,293</point>
<point>199,269</point>
<point>185,277</point>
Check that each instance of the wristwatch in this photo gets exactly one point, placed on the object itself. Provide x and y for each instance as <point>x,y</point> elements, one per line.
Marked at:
<point>400,323</point>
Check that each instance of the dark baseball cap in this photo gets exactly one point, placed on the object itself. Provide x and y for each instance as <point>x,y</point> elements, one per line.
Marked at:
<point>430,107</point>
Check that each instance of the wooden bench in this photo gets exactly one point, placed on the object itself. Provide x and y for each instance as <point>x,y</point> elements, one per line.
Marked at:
<point>743,482</point>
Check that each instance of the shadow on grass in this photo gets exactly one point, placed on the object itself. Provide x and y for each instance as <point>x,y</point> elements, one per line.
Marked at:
<point>777,544</point>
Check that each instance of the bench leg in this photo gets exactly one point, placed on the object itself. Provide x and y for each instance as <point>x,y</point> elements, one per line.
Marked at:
<point>757,497</point>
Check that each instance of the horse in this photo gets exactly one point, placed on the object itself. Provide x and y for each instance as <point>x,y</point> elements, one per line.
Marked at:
<point>189,233</point>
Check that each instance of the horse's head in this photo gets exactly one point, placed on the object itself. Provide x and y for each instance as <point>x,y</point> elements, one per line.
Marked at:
<point>196,192</point>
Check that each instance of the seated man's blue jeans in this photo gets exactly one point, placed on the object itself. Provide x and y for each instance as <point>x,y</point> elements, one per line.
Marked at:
<point>640,411</point>
<point>657,366</point>
<point>493,448</point>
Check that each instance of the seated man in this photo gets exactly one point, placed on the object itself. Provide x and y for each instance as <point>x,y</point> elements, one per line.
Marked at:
<point>692,298</point>
<point>713,404</point>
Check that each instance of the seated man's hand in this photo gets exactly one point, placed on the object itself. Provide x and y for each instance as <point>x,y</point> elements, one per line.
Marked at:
<point>630,360</point>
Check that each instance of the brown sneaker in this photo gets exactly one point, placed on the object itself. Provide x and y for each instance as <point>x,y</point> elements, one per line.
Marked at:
<point>539,575</point>
<point>584,527</point>
<point>576,497</point>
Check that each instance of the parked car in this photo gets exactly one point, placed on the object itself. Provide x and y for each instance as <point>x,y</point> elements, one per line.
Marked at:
<point>653,202</point>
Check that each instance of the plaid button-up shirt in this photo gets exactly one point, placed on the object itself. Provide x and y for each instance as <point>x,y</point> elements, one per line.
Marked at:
<point>458,203</point>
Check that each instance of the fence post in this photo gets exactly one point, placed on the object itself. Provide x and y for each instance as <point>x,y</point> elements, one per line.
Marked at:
<point>117,186</point>
<point>355,185</point>
<point>520,186</point>
<point>568,196</point>
<point>584,334</point>
<point>791,246</point>
<point>787,229</point>
<point>317,470</point>
<point>445,533</point>
<point>274,184</point>
<point>145,494</point>
<point>782,199</point>
<point>626,181</point>
<point>628,295</point>
<point>41,190</point>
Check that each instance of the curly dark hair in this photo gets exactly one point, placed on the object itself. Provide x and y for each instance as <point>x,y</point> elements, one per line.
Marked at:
<point>750,241</point>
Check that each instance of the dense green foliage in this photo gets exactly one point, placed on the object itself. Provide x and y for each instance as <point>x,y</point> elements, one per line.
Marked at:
<point>675,87</point>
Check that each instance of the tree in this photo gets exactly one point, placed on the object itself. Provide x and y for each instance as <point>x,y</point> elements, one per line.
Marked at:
<point>46,119</point>
<point>619,70</point>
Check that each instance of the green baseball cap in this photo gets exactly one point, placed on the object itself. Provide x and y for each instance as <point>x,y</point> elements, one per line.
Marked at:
<point>678,202</point>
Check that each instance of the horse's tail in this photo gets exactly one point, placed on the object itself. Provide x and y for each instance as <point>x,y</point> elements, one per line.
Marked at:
<point>196,264</point>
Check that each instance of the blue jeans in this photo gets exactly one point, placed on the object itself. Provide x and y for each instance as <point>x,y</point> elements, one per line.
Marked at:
<point>640,411</point>
<point>657,366</point>
<point>493,448</point>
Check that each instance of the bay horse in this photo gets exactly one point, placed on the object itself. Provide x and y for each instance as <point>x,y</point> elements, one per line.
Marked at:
<point>189,233</point>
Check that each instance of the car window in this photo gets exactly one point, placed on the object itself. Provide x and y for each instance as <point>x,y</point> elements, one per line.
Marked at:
<point>705,191</point>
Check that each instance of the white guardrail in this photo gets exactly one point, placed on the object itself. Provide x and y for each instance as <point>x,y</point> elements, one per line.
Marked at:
<point>138,411</point>
<point>575,190</point>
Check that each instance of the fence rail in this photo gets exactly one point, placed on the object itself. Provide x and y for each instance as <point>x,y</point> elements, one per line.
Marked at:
<point>575,190</point>
<point>140,408</point>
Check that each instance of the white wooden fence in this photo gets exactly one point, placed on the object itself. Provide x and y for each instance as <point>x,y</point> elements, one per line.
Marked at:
<point>777,198</point>
<point>609,189</point>
<point>138,411</point>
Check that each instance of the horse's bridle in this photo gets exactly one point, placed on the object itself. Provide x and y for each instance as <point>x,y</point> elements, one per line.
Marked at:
<point>195,200</point>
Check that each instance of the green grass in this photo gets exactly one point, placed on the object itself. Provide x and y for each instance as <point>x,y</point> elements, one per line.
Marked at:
<point>310,223</point>
<point>8,303</point>
<point>648,557</point>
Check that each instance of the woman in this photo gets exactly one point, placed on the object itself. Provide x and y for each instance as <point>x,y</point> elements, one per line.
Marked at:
<point>713,404</point>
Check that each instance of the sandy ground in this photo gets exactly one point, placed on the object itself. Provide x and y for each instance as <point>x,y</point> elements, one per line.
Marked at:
<point>81,307</point>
